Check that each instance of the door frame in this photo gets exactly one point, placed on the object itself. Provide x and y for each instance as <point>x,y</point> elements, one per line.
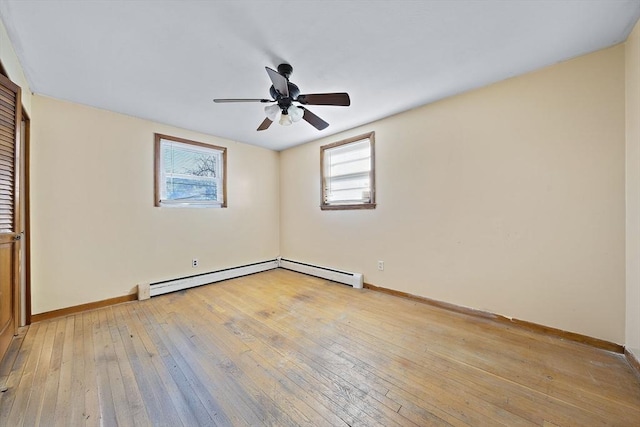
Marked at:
<point>27,217</point>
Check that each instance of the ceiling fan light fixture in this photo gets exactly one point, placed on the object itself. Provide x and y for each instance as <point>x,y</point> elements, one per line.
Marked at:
<point>295,113</point>
<point>285,120</point>
<point>272,112</point>
<point>283,94</point>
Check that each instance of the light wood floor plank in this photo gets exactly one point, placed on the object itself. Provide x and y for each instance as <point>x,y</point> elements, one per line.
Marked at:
<point>58,415</point>
<point>124,371</point>
<point>162,377</point>
<point>75,415</point>
<point>536,413</point>
<point>468,415</point>
<point>17,368</point>
<point>50,393</point>
<point>241,358</point>
<point>92,413</point>
<point>337,373</point>
<point>156,402</point>
<point>339,393</point>
<point>30,383</point>
<point>284,349</point>
<point>101,351</point>
<point>209,391</point>
<point>538,370</point>
<point>224,367</point>
<point>511,369</point>
<point>6,364</point>
<point>182,374</point>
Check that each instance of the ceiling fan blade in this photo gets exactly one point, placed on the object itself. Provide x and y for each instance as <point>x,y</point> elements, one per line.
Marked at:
<point>314,120</point>
<point>341,99</point>
<point>279,81</point>
<point>265,124</point>
<point>242,100</point>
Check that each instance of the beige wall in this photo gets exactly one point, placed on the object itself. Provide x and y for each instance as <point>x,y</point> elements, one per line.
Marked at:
<point>632,56</point>
<point>95,230</point>
<point>509,199</point>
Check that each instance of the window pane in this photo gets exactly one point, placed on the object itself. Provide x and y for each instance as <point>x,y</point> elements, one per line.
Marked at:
<point>179,158</point>
<point>349,196</point>
<point>361,182</point>
<point>189,189</point>
<point>350,167</point>
<point>343,157</point>
<point>361,146</point>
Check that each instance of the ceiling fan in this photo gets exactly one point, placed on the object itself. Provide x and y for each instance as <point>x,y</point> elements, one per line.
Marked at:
<point>285,93</point>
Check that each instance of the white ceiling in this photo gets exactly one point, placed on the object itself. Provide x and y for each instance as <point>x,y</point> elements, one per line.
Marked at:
<point>166,60</point>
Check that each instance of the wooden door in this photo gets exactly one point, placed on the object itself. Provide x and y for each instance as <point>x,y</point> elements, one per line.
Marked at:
<point>9,211</point>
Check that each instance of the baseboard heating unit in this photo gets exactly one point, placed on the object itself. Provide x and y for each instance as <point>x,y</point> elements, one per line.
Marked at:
<point>158,288</point>
<point>352,279</point>
<point>167,286</point>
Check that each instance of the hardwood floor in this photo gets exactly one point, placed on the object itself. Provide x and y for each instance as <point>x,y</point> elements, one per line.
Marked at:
<point>283,349</point>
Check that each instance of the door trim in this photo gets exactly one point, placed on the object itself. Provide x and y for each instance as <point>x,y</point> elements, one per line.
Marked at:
<point>26,193</point>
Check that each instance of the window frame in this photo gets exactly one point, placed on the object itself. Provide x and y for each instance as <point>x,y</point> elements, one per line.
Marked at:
<point>158,137</point>
<point>372,175</point>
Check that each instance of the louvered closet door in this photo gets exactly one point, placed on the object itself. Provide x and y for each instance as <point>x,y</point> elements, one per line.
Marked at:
<point>9,212</point>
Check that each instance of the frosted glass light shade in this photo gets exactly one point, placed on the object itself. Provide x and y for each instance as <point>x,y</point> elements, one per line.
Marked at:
<point>295,113</point>
<point>272,112</point>
<point>285,120</point>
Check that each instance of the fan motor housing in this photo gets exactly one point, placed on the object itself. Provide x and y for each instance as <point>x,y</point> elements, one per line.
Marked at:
<point>294,91</point>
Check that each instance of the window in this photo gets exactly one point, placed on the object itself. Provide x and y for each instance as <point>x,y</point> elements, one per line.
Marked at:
<point>348,179</point>
<point>189,173</point>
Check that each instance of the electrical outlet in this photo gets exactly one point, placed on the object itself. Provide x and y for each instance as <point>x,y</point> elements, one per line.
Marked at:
<point>381,265</point>
<point>194,262</point>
